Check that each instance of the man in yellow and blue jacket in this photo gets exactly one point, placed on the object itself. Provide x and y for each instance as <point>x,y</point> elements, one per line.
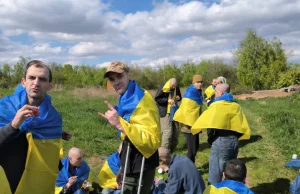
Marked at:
<point>107,176</point>
<point>189,112</point>
<point>167,98</point>
<point>30,134</point>
<point>138,120</point>
<point>234,175</point>
<point>228,124</point>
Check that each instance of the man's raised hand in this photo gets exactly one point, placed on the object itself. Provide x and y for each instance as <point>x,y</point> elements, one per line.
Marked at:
<point>112,116</point>
<point>22,114</point>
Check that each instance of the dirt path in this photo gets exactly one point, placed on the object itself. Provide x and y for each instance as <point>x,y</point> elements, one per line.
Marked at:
<point>263,94</point>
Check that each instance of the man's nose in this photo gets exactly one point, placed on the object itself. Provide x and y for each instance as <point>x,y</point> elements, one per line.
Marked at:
<point>36,81</point>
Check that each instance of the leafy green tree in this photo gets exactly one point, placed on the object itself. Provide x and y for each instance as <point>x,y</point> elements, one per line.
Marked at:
<point>260,61</point>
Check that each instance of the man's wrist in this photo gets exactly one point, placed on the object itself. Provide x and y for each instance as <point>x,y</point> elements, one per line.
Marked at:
<point>120,127</point>
<point>14,126</point>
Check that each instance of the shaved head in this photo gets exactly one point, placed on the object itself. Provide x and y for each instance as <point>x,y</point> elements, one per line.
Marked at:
<point>75,152</point>
<point>173,83</point>
<point>221,80</point>
<point>75,156</point>
<point>222,89</point>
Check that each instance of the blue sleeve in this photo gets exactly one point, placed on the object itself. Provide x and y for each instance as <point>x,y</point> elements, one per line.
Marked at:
<point>174,183</point>
<point>295,186</point>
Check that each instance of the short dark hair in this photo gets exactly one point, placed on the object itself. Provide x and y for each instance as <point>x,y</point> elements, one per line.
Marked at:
<point>235,170</point>
<point>38,64</point>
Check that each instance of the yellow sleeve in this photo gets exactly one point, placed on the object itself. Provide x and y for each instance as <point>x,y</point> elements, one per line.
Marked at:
<point>144,128</point>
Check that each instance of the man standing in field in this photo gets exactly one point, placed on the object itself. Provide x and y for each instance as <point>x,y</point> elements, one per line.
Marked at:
<point>137,118</point>
<point>189,112</point>
<point>166,99</point>
<point>30,134</point>
<point>228,124</point>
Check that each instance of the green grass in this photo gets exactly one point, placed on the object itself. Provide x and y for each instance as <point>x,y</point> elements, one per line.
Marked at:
<point>275,136</point>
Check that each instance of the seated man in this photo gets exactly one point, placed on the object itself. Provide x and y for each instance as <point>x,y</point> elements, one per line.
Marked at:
<point>108,174</point>
<point>234,176</point>
<point>183,176</point>
<point>74,175</point>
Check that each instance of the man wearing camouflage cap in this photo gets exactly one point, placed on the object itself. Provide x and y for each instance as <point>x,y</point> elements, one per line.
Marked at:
<point>136,117</point>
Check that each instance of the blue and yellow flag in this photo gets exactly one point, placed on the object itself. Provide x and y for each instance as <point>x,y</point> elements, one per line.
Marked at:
<point>44,139</point>
<point>5,188</point>
<point>223,113</point>
<point>140,119</point>
<point>190,107</point>
<point>209,92</point>
<point>228,187</point>
<point>82,173</point>
<point>172,93</point>
<point>107,175</point>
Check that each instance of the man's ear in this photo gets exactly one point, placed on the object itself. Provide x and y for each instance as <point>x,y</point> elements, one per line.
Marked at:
<point>129,74</point>
<point>23,82</point>
<point>51,86</point>
<point>223,176</point>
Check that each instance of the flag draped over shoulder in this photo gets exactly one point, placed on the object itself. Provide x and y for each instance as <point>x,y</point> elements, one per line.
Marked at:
<point>224,113</point>
<point>107,174</point>
<point>139,118</point>
<point>209,92</point>
<point>228,187</point>
<point>172,93</point>
<point>5,188</point>
<point>190,107</point>
<point>43,134</point>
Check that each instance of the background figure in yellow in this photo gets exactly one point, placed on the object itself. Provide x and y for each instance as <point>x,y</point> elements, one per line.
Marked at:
<point>108,174</point>
<point>228,124</point>
<point>166,99</point>
<point>209,93</point>
<point>137,118</point>
<point>30,133</point>
<point>234,176</point>
<point>189,112</point>
<point>75,175</point>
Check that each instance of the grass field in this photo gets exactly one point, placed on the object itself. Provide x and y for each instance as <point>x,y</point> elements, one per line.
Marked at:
<point>275,136</point>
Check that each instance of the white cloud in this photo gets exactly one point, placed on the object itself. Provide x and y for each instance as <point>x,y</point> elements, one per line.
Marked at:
<point>105,64</point>
<point>46,48</point>
<point>172,32</point>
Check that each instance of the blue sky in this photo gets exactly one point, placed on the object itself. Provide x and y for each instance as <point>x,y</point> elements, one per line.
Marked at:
<point>143,32</point>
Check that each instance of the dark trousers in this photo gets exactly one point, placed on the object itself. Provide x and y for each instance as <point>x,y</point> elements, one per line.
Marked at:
<point>192,142</point>
<point>131,185</point>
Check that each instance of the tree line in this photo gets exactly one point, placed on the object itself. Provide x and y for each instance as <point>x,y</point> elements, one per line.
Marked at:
<point>257,64</point>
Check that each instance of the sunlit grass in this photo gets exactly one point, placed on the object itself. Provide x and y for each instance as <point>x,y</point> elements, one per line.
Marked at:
<point>274,122</point>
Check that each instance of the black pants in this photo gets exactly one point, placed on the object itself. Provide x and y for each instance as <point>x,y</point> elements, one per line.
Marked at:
<point>192,142</point>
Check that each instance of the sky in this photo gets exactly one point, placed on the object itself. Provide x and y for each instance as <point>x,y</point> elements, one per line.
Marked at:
<point>144,32</point>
